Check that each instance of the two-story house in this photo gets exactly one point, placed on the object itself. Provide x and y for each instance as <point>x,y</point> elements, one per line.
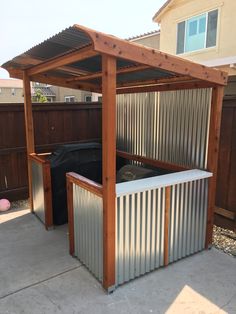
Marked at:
<point>201,31</point>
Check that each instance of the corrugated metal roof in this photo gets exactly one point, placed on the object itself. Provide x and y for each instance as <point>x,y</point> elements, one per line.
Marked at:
<point>61,43</point>
<point>76,38</point>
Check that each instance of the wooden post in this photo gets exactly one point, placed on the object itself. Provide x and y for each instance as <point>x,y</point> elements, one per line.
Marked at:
<point>70,209</point>
<point>212,160</point>
<point>108,168</point>
<point>47,186</point>
<point>166,225</point>
<point>29,130</point>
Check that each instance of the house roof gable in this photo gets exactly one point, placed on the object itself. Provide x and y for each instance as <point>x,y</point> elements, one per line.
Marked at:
<point>162,10</point>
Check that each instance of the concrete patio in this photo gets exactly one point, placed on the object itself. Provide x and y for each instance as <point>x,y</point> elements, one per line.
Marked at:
<point>37,275</point>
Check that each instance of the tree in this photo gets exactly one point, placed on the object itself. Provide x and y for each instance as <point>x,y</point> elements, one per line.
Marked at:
<point>39,97</point>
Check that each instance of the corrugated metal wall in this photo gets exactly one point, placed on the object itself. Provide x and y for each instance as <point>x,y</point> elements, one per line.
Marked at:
<point>88,230</point>
<point>139,233</point>
<point>168,126</point>
<point>38,190</point>
<point>188,214</point>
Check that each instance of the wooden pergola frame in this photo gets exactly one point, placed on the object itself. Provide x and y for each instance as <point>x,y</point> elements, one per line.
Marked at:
<point>189,75</point>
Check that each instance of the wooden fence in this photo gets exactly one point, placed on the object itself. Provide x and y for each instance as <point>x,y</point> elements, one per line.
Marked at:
<point>54,125</point>
<point>226,178</point>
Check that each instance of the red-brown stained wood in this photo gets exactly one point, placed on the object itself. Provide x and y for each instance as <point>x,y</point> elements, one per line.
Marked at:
<point>29,130</point>
<point>50,79</point>
<point>119,48</point>
<point>70,209</point>
<point>212,160</point>
<point>152,162</point>
<point>53,126</point>
<point>85,183</point>
<point>164,87</point>
<point>99,74</point>
<point>47,187</point>
<point>65,59</point>
<point>109,167</point>
<point>166,225</point>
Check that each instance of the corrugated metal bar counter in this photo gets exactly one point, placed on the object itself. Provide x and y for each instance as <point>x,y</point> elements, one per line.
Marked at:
<point>140,221</point>
<point>145,238</point>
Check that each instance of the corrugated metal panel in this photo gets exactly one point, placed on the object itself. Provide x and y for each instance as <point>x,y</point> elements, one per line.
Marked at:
<point>168,126</point>
<point>188,214</point>
<point>72,39</point>
<point>139,233</point>
<point>37,190</point>
<point>88,230</point>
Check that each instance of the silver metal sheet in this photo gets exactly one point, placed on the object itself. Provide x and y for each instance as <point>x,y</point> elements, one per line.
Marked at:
<point>188,214</point>
<point>88,230</point>
<point>169,126</point>
<point>38,190</point>
<point>139,234</point>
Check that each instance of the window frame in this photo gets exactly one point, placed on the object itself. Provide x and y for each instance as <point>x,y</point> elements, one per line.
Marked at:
<point>85,98</point>
<point>205,41</point>
<point>69,97</point>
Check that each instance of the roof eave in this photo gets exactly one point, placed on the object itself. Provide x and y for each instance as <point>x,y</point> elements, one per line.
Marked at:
<point>157,17</point>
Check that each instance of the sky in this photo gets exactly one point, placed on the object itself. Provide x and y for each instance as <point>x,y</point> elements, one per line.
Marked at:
<point>26,23</point>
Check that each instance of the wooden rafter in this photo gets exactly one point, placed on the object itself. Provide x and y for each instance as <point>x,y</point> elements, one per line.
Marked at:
<point>53,80</point>
<point>119,48</point>
<point>63,60</point>
<point>121,71</point>
<point>26,60</point>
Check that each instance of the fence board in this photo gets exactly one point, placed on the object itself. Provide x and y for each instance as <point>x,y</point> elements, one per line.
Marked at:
<point>54,125</point>
<point>226,177</point>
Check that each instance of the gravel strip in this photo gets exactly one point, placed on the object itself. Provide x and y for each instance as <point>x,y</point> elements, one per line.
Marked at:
<point>22,204</point>
<point>225,240</point>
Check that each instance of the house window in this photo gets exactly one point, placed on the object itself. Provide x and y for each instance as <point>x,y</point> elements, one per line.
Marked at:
<point>13,91</point>
<point>88,98</point>
<point>69,98</point>
<point>197,33</point>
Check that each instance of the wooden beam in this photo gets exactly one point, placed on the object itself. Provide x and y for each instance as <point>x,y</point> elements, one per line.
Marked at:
<point>152,162</point>
<point>162,81</point>
<point>70,209</point>
<point>166,224</point>
<point>144,55</point>
<point>99,74</point>
<point>65,59</point>
<point>109,168</point>
<point>29,131</point>
<point>85,183</point>
<point>164,87</point>
<point>225,213</point>
<point>212,160</point>
<point>28,60</point>
<point>49,79</point>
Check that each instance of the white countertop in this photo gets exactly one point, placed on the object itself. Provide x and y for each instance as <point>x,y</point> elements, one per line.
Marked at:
<point>152,183</point>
